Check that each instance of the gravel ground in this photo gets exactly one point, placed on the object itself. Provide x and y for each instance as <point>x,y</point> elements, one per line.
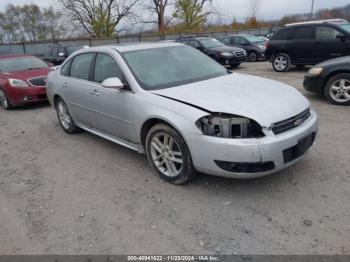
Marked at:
<point>62,194</point>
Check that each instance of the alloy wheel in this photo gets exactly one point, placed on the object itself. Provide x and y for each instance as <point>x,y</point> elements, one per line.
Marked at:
<point>281,63</point>
<point>166,154</point>
<point>3,99</point>
<point>63,115</point>
<point>340,91</point>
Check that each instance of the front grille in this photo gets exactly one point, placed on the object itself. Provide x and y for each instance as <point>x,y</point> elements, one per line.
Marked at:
<point>290,123</point>
<point>238,53</point>
<point>297,151</point>
<point>38,81</point>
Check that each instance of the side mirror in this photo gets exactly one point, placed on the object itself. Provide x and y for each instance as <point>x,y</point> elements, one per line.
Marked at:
<point>341,37</point>
<point>61,54</point>
<point>113,82</point>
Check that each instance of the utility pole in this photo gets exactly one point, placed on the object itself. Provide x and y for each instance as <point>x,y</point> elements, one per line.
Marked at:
<point>312,8</point>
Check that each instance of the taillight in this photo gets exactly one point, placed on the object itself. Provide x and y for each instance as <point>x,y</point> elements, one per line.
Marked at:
<point>267,44</point>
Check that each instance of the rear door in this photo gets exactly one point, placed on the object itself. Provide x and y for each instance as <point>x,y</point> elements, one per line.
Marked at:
<point>302,44</point>
<point>327,45</point>
<point>76,87</point>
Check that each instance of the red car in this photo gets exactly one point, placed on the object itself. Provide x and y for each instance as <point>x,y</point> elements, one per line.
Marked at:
<point>22,80</point>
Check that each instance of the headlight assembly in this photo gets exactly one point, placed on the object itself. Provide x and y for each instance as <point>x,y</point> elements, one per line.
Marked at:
<point>228,126</point>
<point>226,54</point>
<point>18,83</point>
<point>315,71</point>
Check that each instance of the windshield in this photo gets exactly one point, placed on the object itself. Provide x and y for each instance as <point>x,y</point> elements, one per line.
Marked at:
<point>166,67</point>
<point>254,39</point>
<point>21,63</point>
<point>346,27</point>
<point>210,42</point>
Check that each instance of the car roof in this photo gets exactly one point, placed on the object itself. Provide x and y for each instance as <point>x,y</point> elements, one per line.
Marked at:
<point>14,56</point>
<point>328,21</point>
<point>131,46</point>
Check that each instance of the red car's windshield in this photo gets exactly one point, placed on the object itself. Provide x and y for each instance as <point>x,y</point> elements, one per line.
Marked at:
<point>21,63</point>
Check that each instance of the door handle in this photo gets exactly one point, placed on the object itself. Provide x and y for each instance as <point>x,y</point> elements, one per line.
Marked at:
<point>65,85</point>
<point>94,93</point>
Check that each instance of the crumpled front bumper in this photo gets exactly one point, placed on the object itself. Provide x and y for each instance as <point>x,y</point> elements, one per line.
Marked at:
<point>205,150</point>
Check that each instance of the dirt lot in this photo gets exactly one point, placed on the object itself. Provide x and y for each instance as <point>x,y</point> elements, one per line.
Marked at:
<point>83,195</point>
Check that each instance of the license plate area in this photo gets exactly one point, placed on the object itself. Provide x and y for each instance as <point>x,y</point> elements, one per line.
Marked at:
<point>298,150</point>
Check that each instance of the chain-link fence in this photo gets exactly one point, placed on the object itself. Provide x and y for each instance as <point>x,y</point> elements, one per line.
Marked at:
<point>40,48</point>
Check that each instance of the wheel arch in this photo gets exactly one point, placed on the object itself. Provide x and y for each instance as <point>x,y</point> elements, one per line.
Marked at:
<point>332,74</point>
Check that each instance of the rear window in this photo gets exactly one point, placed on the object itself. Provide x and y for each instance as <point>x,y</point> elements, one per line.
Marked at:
<point>283,34</point>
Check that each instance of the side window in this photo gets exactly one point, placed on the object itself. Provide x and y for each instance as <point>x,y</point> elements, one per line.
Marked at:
<point>65,68</point>
<point>54,52</point>
<point>194,44</point>
<point>80,67</point>
<point>243,41</point>
<point>326,33</point>
<point>303,33</point>
<point>226,40</point>
<point>106,67</point>
<point>236,40</point>
<point>281,35</point>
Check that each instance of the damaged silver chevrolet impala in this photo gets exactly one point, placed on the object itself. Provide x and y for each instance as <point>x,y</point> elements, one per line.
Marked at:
<point>183,110</point>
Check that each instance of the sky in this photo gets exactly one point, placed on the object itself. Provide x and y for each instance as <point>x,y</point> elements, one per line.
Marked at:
<point>269,9</point>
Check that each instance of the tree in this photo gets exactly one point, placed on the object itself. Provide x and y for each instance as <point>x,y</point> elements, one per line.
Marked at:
<point>99,17</point>
<point>191,14</point>
<point>253,9</point>
<point>158,7</point>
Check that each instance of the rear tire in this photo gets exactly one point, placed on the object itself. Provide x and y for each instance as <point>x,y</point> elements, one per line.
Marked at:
<point>4,101</point>
<point>64,118</point>
<point>281,62</point>
<point>253,56</point>
<point>337,89</point>
<point>168,154</point>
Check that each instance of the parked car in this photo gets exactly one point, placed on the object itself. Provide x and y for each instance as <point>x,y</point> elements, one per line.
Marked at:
<point>225,55</point>
<point>58,53</point>
<point>308,43</point>
<point>270,35</point>
<point>184,110</point>
<point>22,80</point>
<point>253,45</point>
<point>331,79</point>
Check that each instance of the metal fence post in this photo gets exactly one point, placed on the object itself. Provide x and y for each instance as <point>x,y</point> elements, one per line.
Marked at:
<point>24,48</point>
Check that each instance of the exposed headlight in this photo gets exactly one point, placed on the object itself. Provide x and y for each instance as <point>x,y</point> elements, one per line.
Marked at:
<point>315,71</point>
<point>228,126</point>
<point>226,54</point>
<point>18,83</point>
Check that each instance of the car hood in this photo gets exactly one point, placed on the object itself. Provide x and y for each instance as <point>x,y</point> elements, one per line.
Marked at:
<point>226,48</point>
<point>335,61</point>
<point>263,100</point>
<point>27,74</point>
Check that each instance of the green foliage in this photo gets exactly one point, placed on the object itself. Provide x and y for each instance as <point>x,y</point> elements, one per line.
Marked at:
<point>190,14</point>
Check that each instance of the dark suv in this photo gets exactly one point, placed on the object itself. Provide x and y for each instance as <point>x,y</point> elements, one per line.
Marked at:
<point>225,55</point>
<point>308,43</point>
<point>253,45</point>
<point>58,53</point>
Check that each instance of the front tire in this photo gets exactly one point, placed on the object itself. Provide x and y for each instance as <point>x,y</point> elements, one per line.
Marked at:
<point>65,119</point>
<point>337,89</point>
<point>281,62</point>
<point>168,154</point>
<point>4,101</point>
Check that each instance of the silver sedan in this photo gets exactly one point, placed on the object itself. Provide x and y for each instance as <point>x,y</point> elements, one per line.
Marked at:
<point>183,110</point>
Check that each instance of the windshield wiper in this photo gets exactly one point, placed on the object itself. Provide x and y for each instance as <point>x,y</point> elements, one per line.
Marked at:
<point>34,68</point>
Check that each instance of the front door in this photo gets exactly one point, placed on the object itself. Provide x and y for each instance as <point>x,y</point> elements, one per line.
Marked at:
<point>328,46</point>
<point>113,110</point>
